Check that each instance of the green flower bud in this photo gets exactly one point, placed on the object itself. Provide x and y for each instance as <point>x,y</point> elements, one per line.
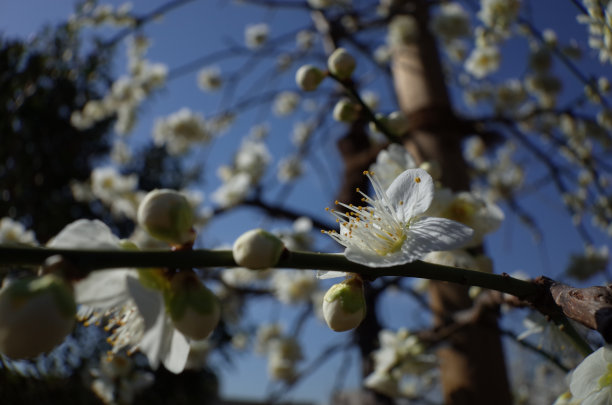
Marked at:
<point>309,77</point>
<point>167,215</point>
<point>257,249</point>
<point>346,111</point>
<point>344,305</point>
<point>193,308</point>
<point>36,314</point>
<point>341,64</point>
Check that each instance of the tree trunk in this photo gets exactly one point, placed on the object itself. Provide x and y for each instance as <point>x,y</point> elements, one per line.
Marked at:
<point>472,363</point>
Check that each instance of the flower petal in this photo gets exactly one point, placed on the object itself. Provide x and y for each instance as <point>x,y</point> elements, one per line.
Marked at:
<point>411,193</point>
<point>176,353</point>
<point>324,274</point>
<point>85,234</point>
<point>585,378</point>
<point>430,234</point>
<point>103,289</point>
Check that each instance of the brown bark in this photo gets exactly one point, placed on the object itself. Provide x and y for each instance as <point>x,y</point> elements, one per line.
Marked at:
<point>472,364</point>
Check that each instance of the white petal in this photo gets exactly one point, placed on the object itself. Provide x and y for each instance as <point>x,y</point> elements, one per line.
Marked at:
<point>85,234</point>
<point>322,274</point>
<point>372,259</point>
<point>151,307</point>
<point>103,289</point>
<point>430,234</point>
<point>177,351</point>
<point>585,379</point>
<point>603,397</point>
<point>411,193</point>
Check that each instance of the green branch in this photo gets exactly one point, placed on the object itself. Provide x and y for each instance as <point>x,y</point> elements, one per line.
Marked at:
<point>88,260</point>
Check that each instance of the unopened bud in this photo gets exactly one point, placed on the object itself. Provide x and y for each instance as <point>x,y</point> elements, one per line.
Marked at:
<point>346,111</point>
<point>36,314</point>
<point>193,308</point>
<point>167,215</point>
<point>341,64</point>
<point>257,249</point>
<point>344,305</point>
<point>309,77</point>
<point>397,122</point>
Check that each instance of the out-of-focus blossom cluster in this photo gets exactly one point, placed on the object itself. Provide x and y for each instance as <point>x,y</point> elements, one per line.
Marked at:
<point>398,364</point>
<point>180,131</point>
<point>90,13</point>
<point>126,93</point>
<point>504,176</point>
<point>499,15</point>
<point>116,380</point>
<point>121,195</point>
<point>250,162</point>
<point>283,352</point>
<point>599,22</point>
<point>13,232</point>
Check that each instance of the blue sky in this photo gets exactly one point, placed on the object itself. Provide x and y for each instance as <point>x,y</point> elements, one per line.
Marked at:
<point>198,28</point>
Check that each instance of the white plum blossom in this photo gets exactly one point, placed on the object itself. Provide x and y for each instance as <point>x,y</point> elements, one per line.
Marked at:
<point>499,14</point>
<point>392,229</point>
<point>480,214</point>
<point>403,30</point>
<point>179,131</point>
<point>290,168</point>
<point>305,40</point>
<point>451,22</point>
<point>293,286</point>
<point>136,314</point>
<point>234,191</point>
<point>253,157</point>
<point>115,190</point>
<point>256,35</point>
<point>301,132</point>
<point>12,231</point>
<point>390,163</point>
<point>298,237</point>
<point>209,78</point>
<point>285,103</point>
<point>483,61</point>
<point>400,355</point>
<point>591,381</point>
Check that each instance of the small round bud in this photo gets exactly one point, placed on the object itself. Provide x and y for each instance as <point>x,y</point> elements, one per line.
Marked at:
<point>167,215</point>
<point>309,77</point>
<point>397,122</point>
<point>257,249</point>
<point>36,314</point>
<point>344,305</point>
<point>193,308</point>
<point>341,64</point>
<point>346,111</point>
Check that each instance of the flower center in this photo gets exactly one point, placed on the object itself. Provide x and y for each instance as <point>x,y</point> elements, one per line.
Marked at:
<point>390,243</point>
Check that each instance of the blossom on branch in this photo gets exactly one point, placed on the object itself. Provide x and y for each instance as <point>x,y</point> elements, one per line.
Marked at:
<point>591,381</point>
<point>392,229</point>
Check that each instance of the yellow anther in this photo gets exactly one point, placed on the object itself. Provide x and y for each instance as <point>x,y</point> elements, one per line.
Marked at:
<point>357,189</point>
<point>336,202</point>
<point>326,208</point>
<point>365,172</point>
<point>417,179</point>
